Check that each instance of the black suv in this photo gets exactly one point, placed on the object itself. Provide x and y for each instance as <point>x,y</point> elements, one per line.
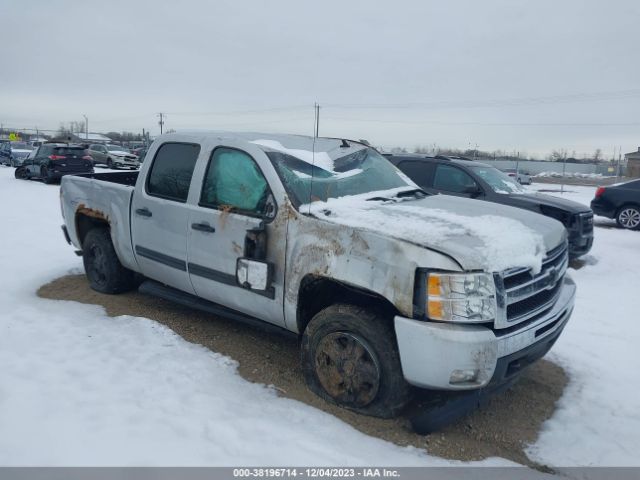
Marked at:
<point>467,178</point>
<point>53,160</point>
<point>621,201</point>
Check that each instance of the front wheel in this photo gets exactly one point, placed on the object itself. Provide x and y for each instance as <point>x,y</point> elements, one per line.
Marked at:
<point>350,357</point>
<point>101,264</point>
<point>109,162</point>
<point>629,217</point>
<point>20,173</point>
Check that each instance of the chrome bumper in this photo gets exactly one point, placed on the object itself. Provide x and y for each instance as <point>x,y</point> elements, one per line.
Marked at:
<point>432,354</point>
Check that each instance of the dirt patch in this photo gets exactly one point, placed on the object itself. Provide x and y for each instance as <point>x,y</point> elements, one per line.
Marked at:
<point>503,428</point>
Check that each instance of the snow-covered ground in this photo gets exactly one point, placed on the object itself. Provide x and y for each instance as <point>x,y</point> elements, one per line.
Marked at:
<point>80,388</point>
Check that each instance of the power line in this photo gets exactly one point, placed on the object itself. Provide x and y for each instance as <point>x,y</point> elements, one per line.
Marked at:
<point>513,102</point>
<point>487,124</point>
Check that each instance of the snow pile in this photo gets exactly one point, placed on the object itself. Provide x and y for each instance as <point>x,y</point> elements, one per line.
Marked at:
<point>502,242</point>
<point>568,175</point>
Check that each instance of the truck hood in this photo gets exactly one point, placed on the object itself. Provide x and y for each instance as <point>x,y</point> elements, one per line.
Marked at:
<point>539,199</point>
<point>478,235</point>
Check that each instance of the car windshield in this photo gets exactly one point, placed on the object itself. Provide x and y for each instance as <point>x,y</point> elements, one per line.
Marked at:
<point>117,148</point>
<point>21,146</point>
<point>357,173</point>
<point>497,180</point>
<point>20,154</point>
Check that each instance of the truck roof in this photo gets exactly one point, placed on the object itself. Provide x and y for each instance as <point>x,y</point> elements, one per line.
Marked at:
<point>300,146</point>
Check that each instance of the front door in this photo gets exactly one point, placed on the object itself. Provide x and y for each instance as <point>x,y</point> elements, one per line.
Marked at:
<point>159,215</point>
<point>234,199</point>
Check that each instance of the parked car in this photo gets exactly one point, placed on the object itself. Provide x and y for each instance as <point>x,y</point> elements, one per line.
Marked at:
<point>521,177</point>
<point>620,201</point>
<point>140,152</point>
<point>51,161</point>
<point>326,240</point>
<point>12,153</point>
<point>471,179</point>
<point>113,156</point>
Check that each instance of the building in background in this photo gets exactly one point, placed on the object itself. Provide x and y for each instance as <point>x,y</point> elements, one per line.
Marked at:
<point>633,163</point>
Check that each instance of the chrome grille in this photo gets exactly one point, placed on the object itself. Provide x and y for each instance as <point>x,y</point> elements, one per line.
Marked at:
<point>523,296</point>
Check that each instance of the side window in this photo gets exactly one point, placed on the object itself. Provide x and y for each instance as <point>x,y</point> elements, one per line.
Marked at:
<point>419,172</point>
<point>171,171</point>
<point>452,179</point>
<point>234,181</point>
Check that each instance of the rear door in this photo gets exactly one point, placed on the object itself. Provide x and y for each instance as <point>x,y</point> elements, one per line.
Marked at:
<point>234,199</point>
<point>160,217</point>
<point>419,171</point>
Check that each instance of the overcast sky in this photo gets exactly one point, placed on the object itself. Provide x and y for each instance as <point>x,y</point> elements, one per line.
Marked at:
<point>530,76</point>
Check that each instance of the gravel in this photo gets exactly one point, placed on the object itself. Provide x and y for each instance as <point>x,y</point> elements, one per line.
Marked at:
<point>503,428</point>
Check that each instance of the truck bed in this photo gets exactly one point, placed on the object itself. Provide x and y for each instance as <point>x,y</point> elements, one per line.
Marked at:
<point>103,197</point>
<point>128,178</point>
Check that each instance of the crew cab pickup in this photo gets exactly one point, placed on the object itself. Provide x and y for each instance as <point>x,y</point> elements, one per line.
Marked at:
<point>388,288</point>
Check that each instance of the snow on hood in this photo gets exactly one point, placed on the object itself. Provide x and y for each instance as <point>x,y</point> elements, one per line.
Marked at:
<point>119,153</point>
<point>479,235</point>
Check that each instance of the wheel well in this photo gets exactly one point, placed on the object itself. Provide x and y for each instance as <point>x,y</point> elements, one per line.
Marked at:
<point>84,223</point>
<point>627,204</point>
<point>316,293</point>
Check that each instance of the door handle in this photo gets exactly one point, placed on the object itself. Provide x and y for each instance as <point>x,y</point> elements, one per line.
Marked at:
<point>144,212</point>
<point>203,227</point>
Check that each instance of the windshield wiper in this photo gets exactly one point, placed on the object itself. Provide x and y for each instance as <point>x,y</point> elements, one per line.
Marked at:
<point>414,192</point>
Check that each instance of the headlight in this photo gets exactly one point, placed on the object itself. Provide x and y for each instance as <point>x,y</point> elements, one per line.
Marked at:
<point>461,297</point>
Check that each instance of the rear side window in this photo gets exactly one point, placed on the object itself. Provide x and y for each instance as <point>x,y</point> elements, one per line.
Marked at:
<point>233,181</point>
<point>418,171</point>
<point>171,171</point>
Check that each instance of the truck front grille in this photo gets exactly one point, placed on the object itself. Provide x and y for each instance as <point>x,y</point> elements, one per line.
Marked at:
<point>523,296</point>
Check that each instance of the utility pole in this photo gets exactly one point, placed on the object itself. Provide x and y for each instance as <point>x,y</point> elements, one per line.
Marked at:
<point>86,127</point>
<point>564,167</point>
<point>517,165</point>
<point>619,159</point>
<point>161,121</point>
<point>316,122</point>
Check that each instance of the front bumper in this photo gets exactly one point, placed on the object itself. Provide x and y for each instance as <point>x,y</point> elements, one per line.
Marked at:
<point>431,352</point>
<point>124,162</point>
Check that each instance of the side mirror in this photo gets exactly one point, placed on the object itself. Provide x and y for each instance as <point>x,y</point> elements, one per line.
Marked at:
<point>253,274</point>
<point>472,190</point>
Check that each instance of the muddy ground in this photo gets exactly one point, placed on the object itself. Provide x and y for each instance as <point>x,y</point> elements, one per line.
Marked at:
<point>503,428</point>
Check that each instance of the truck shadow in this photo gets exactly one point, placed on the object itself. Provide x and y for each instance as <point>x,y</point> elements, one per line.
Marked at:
<point>503,428</point>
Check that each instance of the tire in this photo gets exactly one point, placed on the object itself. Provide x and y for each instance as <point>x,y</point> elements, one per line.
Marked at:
<point>101,265</point>
<point>350,358</point>
<point>21,173</point>
<point>44,174</point>
<point>628,217</point>
<point>109,163</point>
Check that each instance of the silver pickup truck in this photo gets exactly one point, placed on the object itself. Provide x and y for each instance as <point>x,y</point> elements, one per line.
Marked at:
<point>387,287</point>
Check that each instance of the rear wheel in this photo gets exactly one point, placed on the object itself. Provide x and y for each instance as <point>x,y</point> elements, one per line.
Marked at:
<point>101,264</point>
<point>44,173</point>
<point>350,357</point>
<point>629,217</point>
